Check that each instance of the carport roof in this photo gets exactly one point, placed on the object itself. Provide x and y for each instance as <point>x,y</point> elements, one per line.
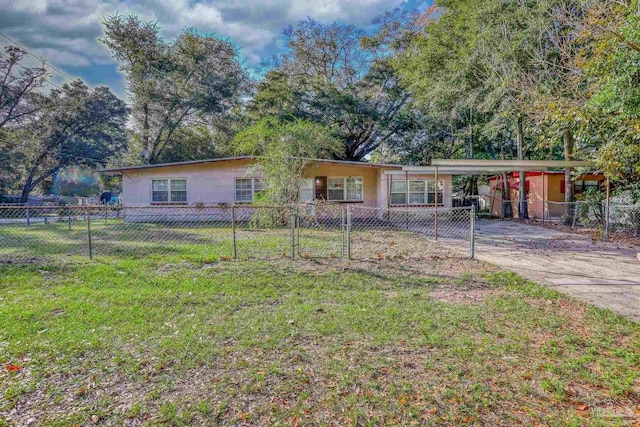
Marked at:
<point>485,167</point>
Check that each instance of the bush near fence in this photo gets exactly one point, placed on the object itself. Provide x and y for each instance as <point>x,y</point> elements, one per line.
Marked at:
<point>211,232</point>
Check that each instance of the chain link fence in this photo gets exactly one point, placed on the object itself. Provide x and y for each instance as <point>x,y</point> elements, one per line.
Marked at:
<point>308,230</point>
<point>615,218</point>
<point>589,214</point>
<point>622,219</point>
<point>389,233</point>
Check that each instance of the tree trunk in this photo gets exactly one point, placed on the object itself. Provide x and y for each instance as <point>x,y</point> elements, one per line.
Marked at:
<point>567,138</point>
<point>523,209</point>
<point>506,191</point>
<point>24,197</point>
<point>471,134</point>
<point>145,135</point>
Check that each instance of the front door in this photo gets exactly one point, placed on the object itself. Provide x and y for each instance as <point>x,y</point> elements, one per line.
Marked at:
<point>322,191</point>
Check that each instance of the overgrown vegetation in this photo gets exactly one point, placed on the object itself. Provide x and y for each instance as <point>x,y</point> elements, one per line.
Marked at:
<point>285,150</point>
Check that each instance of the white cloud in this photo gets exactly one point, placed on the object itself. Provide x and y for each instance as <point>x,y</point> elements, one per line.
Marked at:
<point>67,32</point>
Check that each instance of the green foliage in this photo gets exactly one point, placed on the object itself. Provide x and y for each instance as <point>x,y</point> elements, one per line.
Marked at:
<point>615,105</point>
<point>19,86</point>
<point>194,79</point>
<point>560,65</point>
<point>75,125</point>
<point>285,149</point>
<point>329,78</point>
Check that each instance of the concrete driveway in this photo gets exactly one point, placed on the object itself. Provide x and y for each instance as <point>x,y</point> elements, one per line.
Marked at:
<point>603,274</point>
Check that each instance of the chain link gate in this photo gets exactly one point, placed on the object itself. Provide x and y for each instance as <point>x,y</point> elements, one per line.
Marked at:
<point>319,230</point>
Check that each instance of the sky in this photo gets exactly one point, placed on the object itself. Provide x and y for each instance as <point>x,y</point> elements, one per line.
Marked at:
<point>66,32</point>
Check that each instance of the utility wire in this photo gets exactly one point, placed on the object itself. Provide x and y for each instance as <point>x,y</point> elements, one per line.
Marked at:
<point>25,68</point>
<point>44,61</point>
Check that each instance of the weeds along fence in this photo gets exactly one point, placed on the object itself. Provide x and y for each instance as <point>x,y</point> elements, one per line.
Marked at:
<point>622,219</point>
<point>212,232</point>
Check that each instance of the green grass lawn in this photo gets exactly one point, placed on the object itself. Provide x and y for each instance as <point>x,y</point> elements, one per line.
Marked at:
<point>175,340</point>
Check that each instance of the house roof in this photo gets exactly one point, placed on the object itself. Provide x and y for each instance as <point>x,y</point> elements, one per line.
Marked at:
<point>443,166</point>
<point>226,159</point>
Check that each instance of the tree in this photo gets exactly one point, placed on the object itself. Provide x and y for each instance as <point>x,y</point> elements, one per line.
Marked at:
<point>328,77</point>
<point>613,128</point>
<point>520,66</point>
<point>454,76</point>
<point>74,126</point>
<point>285,150</point>
<point>18,84</point>
<point>193,79</point>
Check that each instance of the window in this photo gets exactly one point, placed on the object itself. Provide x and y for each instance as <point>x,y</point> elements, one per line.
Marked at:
<point>398,193</point>
<point>247,189</point>
<point>345,189</point>
<point>306,192</point>
<point>421,192</point>
<point>354,189</point>
<point>431,192</point>
<point>336,188</point>
<point>169,191</point>
<point>580,186</point>
<point>416,192</point>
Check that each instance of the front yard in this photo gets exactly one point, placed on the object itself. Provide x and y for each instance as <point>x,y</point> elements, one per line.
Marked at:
<point>437,341</point>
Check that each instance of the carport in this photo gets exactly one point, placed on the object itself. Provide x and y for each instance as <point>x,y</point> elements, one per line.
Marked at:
<point>597,272</point>
<point>496,167</point>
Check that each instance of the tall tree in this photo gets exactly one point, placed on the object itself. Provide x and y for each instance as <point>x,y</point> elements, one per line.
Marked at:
<point>328,77</point>
<point>74,126</point>
<point>172,85</point>
<point>613,128</point>
<point>18,84</point>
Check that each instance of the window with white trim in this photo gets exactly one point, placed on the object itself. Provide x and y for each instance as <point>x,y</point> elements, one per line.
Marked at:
<point>421,192</point>
<point>398,193</point>
<point>348,189</point>
<point>417,192</point>
<point>247,189</point>
<point>170,190</point>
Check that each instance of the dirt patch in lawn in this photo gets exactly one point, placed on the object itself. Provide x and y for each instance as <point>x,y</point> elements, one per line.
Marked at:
<point>468,296</point>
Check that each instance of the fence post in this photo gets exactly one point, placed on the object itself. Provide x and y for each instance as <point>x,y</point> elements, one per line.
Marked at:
<point>348,231</point>
<point>435,221</point>
<point>292,228</point>
<point>606,221</point>
<point>472,243</point>
<point>343,231</point>
<point>28,217</point>
<point>89,234</point>
<point>69,215</point>
<point>233,230</point>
